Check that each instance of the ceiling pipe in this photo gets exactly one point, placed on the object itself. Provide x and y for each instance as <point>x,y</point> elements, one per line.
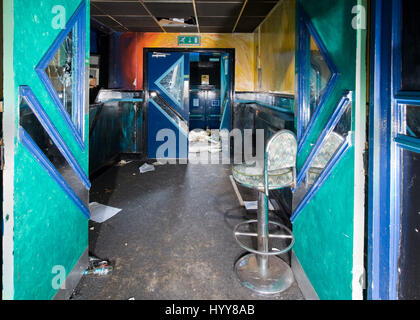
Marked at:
<point>196,16</point>
<point>240,15</point>
<point>109,16</point>
<point>154,18</point>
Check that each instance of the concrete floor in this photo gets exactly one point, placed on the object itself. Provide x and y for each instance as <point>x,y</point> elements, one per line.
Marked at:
<point>173,239</point>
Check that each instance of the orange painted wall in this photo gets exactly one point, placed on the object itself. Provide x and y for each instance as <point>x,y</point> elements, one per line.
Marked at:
<point>132,54</point>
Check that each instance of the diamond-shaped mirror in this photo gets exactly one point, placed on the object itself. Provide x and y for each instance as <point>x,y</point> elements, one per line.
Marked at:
<point>172,82</point>
<point>332,143</point>
<point>61,73</point>
<point>317,76</point>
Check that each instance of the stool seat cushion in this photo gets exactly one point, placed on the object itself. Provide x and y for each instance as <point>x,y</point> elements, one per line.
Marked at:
<point>252,176</point>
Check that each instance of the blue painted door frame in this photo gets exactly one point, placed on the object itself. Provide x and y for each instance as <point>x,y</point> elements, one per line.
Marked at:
<point>387,140</point>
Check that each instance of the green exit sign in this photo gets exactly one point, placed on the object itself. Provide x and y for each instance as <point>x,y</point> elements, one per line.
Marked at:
<point>189,40</point>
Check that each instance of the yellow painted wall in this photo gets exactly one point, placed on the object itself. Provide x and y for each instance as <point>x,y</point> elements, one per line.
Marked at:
<point>275,50</point>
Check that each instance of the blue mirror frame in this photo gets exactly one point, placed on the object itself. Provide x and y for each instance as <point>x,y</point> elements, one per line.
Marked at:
<point>76,122</point>
<point>306,121</point>
<point>344,104</point>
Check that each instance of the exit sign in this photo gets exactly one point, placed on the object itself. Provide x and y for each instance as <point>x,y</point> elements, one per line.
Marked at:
<point>189,40</point>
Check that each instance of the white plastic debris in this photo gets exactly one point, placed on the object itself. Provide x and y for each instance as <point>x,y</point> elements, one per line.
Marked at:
<point>198,136</point>
<point>253,205</point>
<point>122,163</point>
<point>101,213</point>
<point>147,168</point>
<point>201,141</point>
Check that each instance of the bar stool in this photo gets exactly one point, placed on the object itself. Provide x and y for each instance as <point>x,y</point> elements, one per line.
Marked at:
<point>261,270</point>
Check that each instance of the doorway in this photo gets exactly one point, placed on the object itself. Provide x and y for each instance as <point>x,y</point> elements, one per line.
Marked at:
<point>185,90</point>
<point>394,219</point>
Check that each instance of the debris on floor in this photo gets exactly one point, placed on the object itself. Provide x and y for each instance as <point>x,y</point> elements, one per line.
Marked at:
<point>122,163</point>
<point>253,205</point>
<point>101,213</point>
<point>204,141</point>
<point>98,267</point>
<point>147,168</point>
<point>198,136</point>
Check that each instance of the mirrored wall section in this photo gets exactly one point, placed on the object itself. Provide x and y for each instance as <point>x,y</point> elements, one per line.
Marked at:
<point>331,144</point>
<point>319,77</point>
<point>40,137</point>
<point>61,73</point>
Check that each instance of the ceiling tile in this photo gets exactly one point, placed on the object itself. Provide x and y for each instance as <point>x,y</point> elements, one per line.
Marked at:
<point>137,21</point>
<point>218,9</point>
<point>217,21</point>
<point>258,8</point>
<point>121,8</point>
<point>171,10</point>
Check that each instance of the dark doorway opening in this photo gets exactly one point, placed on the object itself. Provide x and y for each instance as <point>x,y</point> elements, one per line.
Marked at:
<point>210,92</point>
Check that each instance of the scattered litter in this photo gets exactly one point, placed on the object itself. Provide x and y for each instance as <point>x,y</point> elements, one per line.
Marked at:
<point>201,141</point>
<point>132,298</point>
<point>107,190</point>
<point>122,163</point>
<point>126,244</point>
<point>100,271</point>
<point>147,168</point>
<point>198,136</point>
<point>95,261</point>
<point>157,163</point>
<point>253,205</point>
<point>91,229</point>
<point>101,213</point>
<point>98,267</point>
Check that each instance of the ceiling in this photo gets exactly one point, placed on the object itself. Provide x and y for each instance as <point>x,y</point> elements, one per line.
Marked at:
<point>213,16</point>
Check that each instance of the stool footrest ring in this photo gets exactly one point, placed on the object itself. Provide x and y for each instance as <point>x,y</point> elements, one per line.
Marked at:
<point>287,236</point>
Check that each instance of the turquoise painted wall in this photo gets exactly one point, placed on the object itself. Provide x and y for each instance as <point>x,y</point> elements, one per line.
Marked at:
<point>49,230</point>
<point>324,229</point>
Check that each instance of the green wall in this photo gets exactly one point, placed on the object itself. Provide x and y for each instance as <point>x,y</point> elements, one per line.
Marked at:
<point>49,230</point>
<point>324,229</point>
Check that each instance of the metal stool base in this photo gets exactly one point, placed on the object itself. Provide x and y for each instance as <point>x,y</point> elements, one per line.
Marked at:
<point>279,276</point>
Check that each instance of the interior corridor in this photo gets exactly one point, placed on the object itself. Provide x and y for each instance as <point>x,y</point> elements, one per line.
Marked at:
<point>173,240</point>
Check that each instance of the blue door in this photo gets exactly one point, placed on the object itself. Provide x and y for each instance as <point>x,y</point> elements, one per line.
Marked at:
<point>168,106</point>
<point>394,206</point>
